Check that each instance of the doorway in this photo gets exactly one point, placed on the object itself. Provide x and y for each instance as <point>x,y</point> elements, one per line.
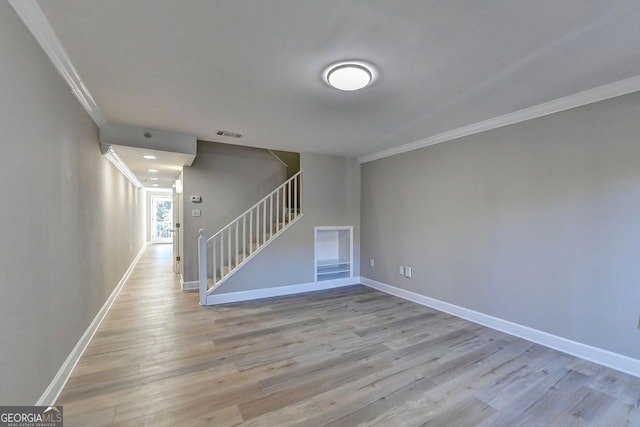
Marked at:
<point>161,219</point>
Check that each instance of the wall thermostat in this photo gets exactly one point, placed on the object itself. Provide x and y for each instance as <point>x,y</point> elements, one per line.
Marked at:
<point>196,199</point>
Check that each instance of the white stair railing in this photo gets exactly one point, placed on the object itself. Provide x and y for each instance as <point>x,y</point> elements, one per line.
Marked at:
<point>238,242</point>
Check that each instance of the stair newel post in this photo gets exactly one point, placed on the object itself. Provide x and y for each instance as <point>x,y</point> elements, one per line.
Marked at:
<point>202,266</point>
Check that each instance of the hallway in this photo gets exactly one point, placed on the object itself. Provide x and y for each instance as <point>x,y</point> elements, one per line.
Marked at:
<point>144,354</point>
<point>348,356</point>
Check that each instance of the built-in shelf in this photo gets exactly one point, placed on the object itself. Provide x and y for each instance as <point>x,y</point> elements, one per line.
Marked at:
<point>325,262</point>
<point>333,252</point>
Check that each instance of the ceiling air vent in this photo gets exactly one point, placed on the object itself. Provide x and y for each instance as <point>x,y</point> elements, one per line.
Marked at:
<point>229,134</point>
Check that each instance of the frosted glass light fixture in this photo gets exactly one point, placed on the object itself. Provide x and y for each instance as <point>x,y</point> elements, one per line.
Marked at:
<point>349,76</point>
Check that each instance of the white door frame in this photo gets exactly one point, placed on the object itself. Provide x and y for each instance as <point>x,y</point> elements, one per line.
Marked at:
<point>168,224</point>
<point>177,252</point>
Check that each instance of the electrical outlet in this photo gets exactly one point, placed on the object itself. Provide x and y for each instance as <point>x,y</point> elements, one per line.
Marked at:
<point>195,212</point>
<point>372,262</point>
<point>407,272</point>
<point>401,270</point>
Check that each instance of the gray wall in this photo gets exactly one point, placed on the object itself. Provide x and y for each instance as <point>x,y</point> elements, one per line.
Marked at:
<point>230,179</point>
<point>537,223</point>
<point>72,223</point>
<point>291,159</point>
<point>331,196</point>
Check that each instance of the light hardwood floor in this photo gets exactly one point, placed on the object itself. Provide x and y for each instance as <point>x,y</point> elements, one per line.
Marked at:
<point>346,357</point>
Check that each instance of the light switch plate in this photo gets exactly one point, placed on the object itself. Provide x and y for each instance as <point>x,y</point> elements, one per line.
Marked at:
<point>195,212</point>
<point>407,272</point>
<point>401,270</point>
<point>372,262</point>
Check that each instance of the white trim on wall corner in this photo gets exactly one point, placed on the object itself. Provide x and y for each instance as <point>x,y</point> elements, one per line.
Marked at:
<point>600,93</point>
<point>54,389</point>
<point>607,358</point>
<point>280,291</point>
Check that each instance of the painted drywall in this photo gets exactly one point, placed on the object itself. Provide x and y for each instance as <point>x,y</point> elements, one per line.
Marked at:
<point>331,196</point>
<point>291,159</point>
<point>537,223</point>
<point>72,224</point>
<point>229,179</point>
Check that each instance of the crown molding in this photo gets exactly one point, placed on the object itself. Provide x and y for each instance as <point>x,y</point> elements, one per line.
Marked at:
<point>33,17</point>
<point>600,93</point>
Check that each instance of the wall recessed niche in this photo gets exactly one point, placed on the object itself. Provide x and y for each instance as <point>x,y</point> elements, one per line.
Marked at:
<point>333,252</point>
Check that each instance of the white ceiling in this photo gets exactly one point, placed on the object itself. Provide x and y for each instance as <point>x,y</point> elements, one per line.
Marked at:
<point>168,165</point>
<point>255,66</point>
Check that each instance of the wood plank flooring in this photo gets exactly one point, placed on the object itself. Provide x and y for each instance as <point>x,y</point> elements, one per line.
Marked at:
<point>346,357</point>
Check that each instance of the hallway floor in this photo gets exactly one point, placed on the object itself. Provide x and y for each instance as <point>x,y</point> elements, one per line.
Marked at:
<point>348,356</point>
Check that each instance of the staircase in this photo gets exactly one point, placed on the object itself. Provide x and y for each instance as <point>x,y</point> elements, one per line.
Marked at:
<point>223,254</point>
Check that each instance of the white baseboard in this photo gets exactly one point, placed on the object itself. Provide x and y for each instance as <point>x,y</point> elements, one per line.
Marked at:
<point>603,357</point>
<point>280,291</point>
<point>54,389</point>
<point>189,286</point>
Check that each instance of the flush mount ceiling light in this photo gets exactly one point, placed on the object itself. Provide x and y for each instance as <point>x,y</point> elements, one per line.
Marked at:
<point>349,76</point>
<point>149,157</point>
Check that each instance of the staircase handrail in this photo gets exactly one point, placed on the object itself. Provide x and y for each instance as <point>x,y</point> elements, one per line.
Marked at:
<point>284,184</point>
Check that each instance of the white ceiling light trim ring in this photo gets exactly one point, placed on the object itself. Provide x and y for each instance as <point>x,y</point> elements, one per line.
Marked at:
<point>349,75</point>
